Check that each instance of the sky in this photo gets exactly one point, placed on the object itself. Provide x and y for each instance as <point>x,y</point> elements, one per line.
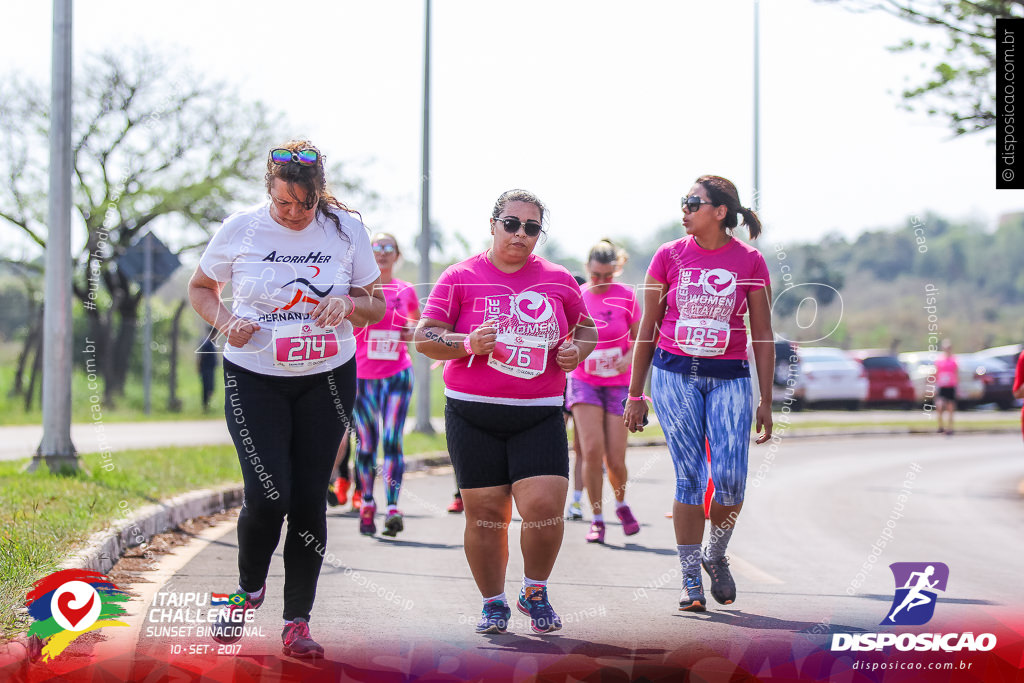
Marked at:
<point>606,110</point>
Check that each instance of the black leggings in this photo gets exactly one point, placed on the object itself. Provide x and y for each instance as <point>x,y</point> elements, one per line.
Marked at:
<point>286,431</point>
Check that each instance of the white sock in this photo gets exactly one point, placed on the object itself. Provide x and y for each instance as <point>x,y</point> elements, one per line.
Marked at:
<point>619,504</point>
<point>577,496</point>
<point>497,598</point>
<point>599,517</point>
<point>533,582</point>
<point>255,596</point>
<point>392,509</point>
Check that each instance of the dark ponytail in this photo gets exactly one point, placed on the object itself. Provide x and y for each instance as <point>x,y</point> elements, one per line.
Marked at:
<point>721,191</point>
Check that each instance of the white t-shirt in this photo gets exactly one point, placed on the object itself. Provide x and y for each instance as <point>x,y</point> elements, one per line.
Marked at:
<point>279,275</point>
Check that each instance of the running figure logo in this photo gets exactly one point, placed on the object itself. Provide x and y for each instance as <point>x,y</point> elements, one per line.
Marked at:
<point>916,583</point>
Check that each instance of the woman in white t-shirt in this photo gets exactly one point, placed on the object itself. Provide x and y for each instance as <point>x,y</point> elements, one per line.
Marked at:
<point>301,274</point>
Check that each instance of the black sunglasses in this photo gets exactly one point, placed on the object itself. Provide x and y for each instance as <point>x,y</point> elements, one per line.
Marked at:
<point>304,157</point>
<point>512,224</point>
<point>693,202</point>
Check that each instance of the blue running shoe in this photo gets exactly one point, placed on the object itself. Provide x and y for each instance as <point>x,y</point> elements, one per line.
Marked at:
<point>533,600</point>
<point>691,598</point>
<point>494,618</point>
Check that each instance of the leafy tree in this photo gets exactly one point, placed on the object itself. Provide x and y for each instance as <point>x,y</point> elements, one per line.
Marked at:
<point>153,145</point>
<point>961,86</point>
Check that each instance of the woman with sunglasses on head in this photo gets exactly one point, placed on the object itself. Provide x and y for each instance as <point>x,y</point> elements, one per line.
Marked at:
<point>384,388</point>
<point>301,274</point>
<point>511,325</point>
<point>597,389</point>
<point>697,290</point>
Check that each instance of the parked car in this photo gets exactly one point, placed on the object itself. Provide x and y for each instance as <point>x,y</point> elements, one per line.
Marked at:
<point>829,375</point>
<point>920,365</point>
<point>1008,354</point>
<point>996,379</point>
<point>786,385</point>
<point>888,382</point>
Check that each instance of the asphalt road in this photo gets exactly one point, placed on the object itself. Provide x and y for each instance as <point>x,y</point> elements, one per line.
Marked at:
<point>801,556</point>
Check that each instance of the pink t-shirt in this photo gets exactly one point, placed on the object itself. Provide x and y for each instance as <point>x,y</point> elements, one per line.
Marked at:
<point>707,296</point>
<point>614,312</point>
<point>947,374</point>
<point>380,351</point>
<point>535,308</point>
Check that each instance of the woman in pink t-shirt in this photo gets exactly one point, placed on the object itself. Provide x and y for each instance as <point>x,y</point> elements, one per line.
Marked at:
<point>947,377</point>
<point>698,288</point>
<point>1018,386</point>
<point>598,388</point>
<point>510,325</point>
<point>384,388</point>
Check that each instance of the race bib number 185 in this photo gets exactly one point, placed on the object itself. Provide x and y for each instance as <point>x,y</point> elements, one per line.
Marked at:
<point>702,336</point>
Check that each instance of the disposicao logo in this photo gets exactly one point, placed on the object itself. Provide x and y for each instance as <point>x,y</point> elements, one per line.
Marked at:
<point>71,602</point>
<point>916,583</point>
<point>913,605</point>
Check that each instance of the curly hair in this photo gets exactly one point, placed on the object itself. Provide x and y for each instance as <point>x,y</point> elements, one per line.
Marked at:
<point>312,179</point>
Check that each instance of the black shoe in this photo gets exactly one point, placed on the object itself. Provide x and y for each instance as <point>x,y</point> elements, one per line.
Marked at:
<point>723,588</point>
<point>393,524</point>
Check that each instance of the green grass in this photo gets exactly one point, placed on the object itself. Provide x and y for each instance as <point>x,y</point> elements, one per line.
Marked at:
<point>44,517</point>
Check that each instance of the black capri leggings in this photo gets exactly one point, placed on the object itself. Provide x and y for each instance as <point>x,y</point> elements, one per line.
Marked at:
<point>286,431</point>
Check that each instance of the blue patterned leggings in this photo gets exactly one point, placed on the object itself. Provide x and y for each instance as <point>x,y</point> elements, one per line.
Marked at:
<point>381,401</point>
<point>692,407</point>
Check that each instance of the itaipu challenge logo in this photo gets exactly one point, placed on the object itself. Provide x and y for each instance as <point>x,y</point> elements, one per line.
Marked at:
<point>70,603</point>
<point>916,586</point>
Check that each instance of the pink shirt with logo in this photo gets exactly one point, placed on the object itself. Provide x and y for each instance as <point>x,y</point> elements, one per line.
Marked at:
<point>534,309</point>
<point>947,374</point>
<point>614,312</point>
<point>380,351</point>
<point>707,296</point>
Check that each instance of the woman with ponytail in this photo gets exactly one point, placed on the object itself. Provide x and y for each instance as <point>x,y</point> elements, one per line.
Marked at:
<point>697,291</point>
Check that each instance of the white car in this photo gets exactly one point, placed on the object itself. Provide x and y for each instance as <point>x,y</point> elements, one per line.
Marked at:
<point>920,365</point>
<point>828,374</point>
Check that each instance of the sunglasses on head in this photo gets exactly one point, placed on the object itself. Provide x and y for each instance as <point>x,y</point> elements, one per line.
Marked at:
<point>511,224</point>
<point>383,248</point>
<point>693,202</point>
<point>305,157</point>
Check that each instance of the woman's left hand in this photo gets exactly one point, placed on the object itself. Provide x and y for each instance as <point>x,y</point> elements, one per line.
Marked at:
<point>330,312</point>
<point>568,357</point>
<point>764,419</point>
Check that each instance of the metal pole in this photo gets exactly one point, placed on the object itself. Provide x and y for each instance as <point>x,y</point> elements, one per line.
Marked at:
<point>757,106</point>
<point>56,447</point>
<point>422,362</point>
<point>147,336</point>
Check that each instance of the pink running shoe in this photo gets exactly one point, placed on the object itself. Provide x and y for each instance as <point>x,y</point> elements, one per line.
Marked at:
<point>629,524</point>
<point>596,534</point>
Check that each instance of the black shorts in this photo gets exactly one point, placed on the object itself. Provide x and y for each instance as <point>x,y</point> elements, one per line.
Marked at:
<point>948,393</point>
<point>496,445</point>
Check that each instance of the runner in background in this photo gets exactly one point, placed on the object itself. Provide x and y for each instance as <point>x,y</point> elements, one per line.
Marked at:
<point>510,326</point>
<point>597,389</point>
<point>947,377</point>
<point>697,289</point>
<point>301,273</point>
<point>384,390</point>
<point>337,491</point>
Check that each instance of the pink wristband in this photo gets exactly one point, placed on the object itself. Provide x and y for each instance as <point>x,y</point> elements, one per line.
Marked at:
<point>641,397</point>
<point>352,304</point>
<point>466,345</point>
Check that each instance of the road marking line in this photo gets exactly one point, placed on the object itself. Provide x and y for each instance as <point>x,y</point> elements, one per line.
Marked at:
<point>751,572</point>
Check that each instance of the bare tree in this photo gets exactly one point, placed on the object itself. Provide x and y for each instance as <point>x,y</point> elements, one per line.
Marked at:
<point>961,86</point>
<point>153,144</point>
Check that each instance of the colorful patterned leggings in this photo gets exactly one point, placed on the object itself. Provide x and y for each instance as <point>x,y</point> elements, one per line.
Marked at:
<point>691,407</point>
<point>381,400</point>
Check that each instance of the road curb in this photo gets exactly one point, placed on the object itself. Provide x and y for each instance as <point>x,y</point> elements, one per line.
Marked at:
<point>104,548</point>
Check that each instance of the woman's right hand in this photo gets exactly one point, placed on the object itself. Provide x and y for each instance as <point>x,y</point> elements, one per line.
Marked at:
<point>634,414</point>
<point>483,338</point>
<point>240,331</point>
